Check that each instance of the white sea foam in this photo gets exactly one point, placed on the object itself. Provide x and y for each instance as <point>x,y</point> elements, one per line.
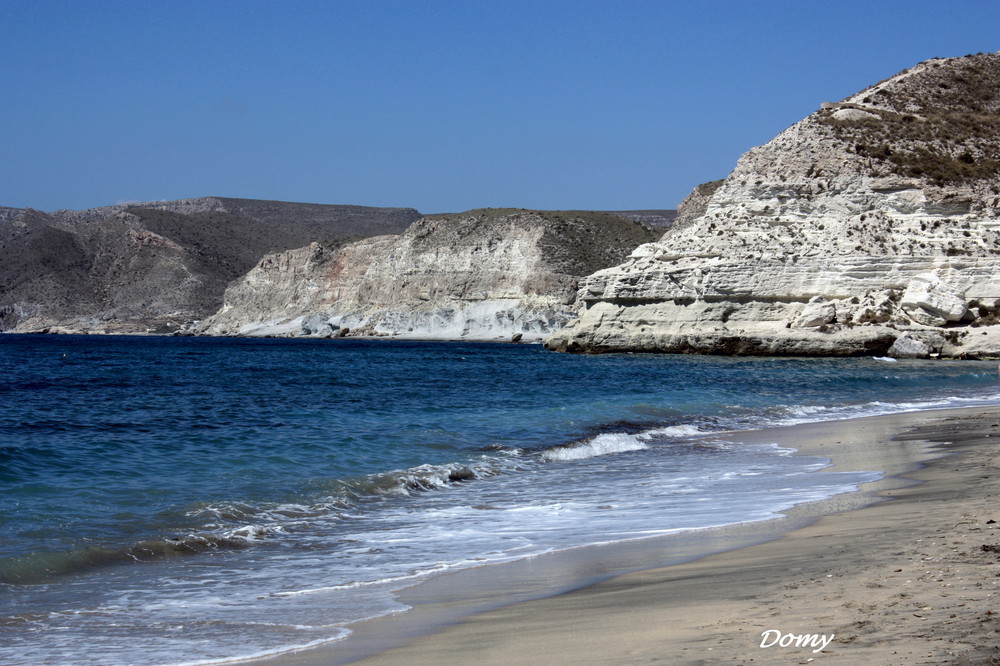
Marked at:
<point>685,430</point>
<point>797,414</point>
<point>600,445</point>
<point>255,532</point>
<point>338,633</point>
<point>353,585</point>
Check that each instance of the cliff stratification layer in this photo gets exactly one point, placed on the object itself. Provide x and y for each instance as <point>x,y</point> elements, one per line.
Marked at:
<point>870,227</point>
<point>490,274</point>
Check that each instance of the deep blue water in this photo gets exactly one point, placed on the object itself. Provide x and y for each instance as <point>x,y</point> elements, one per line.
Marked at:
<point>223,497</point>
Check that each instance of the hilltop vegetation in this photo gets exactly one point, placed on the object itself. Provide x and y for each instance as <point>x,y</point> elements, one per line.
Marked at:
<point>940,123</point>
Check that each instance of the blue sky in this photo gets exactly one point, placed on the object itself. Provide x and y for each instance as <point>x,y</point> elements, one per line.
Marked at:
<point>439,105</point>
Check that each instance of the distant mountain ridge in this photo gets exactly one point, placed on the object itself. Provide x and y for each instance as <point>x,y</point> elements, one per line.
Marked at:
<point>160,266</point>
<point>137,267</point>
<point>347,220</point>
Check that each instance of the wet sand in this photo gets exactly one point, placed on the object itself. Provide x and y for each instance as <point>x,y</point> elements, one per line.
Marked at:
<point>904,572</point>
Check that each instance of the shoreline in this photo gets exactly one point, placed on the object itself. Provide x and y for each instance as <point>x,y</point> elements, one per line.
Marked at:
<point>386,338</point>
<point>960,356</point>
<point>828,567</point>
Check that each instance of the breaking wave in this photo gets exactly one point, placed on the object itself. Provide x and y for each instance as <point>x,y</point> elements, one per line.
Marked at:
<point>600,445</point>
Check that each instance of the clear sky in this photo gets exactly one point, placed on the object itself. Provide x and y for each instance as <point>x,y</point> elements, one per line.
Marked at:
<point>436,104</point>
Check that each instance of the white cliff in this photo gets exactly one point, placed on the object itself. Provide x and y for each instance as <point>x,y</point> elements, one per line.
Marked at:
<point>493,274</point>
<point>872,220</point>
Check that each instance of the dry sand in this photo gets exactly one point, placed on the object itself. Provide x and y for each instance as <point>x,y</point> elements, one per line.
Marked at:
<point>908,579</point>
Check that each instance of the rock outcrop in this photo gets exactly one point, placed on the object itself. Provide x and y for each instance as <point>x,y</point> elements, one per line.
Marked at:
<point>142,267</point>
<point>492,274</point>
<point>870,227</point>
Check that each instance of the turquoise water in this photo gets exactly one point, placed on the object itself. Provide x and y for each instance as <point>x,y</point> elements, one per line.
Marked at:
<point>228,497</point>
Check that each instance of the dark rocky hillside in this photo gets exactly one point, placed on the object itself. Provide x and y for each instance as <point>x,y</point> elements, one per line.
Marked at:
<point>154,266</point>
<point>7,214</point>
<point>573,242</point>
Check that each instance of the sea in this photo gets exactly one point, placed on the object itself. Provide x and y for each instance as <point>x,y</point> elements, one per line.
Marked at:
<point>168,500</point>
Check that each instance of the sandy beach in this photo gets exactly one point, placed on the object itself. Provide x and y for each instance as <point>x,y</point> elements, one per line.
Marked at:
<point>902,572</point>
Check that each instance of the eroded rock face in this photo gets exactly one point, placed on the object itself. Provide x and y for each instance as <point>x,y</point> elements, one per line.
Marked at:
<point>483,275</point>
<point>833,238</point>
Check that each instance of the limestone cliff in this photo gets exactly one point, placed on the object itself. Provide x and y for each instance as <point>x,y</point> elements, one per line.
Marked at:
<point>870,227</point>
<point>489,274</point>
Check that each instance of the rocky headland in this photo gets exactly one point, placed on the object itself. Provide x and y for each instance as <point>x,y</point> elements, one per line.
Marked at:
<point>871,227</point>
<point>489,274</point>
<point>154,267</point>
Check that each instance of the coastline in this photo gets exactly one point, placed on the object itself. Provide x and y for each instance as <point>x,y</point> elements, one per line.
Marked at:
<point>825,352</point>
<point>895,581</point>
